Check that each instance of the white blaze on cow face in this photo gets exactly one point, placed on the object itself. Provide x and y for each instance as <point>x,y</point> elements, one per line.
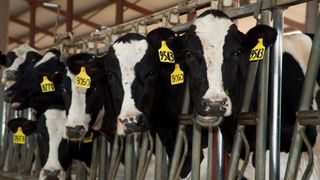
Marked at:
<point>21,53</point>
<point>211,31</point>
<point>128,55</point>
<point>77,115</point>
<point>46,58</point>
<point>55,120</point>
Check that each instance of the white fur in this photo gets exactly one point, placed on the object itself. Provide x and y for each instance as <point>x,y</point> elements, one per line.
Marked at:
<point>54,123</point>
<point>98,123</point>
<point>45,58</point>
<point>21,53</point>
<point>77,113</point>
<point>129,54</point>
<point>211,32</point>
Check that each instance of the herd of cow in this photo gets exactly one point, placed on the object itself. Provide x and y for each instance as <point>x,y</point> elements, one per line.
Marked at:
<point>139,85</point>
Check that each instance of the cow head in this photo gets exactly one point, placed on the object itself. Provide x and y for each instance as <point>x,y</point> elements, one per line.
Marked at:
<point>83,104</point>
<point>27,91</point>
<point>49,128</point>
<point>122,58</point>
<point>17,62</point>
<point>152,89</point>
<point>217,55</point>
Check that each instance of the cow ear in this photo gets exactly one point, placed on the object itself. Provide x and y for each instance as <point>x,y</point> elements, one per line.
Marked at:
<point>3,59</point>
<point>28,127</point>
<point>268,34</point>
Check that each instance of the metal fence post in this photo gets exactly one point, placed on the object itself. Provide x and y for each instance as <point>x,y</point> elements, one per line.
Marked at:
<point>276,86</point>
<point>305,101</point>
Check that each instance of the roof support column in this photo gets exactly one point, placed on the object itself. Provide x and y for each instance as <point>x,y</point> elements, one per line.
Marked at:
<point>32,31</point>
<point>4,20</point>
<point>311,16</point>
<point>69,15</point>
<point>119,11</point>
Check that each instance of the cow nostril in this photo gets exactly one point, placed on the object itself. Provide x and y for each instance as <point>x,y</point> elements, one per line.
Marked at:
<point>75,132</point>
<point>51,174</point>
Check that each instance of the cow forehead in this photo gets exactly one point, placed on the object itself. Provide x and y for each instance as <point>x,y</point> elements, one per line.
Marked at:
<point>45,58</point>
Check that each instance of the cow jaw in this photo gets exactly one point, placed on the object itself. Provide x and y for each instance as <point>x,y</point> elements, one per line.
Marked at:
<point>212,42</point>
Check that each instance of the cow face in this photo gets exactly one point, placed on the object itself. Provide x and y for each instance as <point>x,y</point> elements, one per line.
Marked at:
<point>49,128</point>
<point>18,61</point>
<point>123,56</point>
<point>217,55</point>
<point>152,89</point>
<point>83,105</point>
<point>27,92</point>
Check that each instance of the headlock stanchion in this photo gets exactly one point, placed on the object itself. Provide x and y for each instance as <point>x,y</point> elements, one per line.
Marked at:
<point>276,86</point>
<point>305,102</point>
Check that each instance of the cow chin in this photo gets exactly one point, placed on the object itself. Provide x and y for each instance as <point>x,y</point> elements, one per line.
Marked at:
<point>131,124</point>
<point>60,176</point>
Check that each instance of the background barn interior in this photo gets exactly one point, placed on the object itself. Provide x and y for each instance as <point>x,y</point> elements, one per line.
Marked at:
<point>29,21</point>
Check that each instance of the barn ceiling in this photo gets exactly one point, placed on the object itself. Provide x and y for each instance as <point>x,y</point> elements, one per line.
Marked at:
<point>88,14</point>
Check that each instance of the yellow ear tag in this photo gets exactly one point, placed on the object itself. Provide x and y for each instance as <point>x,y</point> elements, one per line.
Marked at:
<point>176,76</point>
<point>83,80</point>
<point>88,139</point>
<point>19,137</point>
<point>47,85</point>
<point>165,54</point>
<point>257,53</point>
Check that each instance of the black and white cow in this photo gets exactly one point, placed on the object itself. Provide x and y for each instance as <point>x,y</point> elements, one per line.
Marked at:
<point>56,153</point>
<point>100,105</point>
<point>17,62</point>
<point>87,107</point>
<point>217,48</point>
<point>27,92</point>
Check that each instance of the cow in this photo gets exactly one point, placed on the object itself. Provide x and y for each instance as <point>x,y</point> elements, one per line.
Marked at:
<point>27,91</point>
<point>17,62</point>
<point>56,153</point>
<point>217,56</point>
<point>99,105</point>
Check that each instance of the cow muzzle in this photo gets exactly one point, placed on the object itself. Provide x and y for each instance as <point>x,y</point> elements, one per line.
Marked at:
<point>75,133</point>
<point>132,125</point>
<point>51,174</point>
<point>214,108</point>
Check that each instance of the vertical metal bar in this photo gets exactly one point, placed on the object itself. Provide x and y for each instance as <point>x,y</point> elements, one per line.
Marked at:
<point>305,101</point>
<point>69,15</point>
<point>311,16</point>
<point>81,171</point>
<point>159,159</point>
<point>103,158</point>
<point>237,143</point>
<point>196,150</point>
<point>4,134</point>
<point>276,86</point>
<point>262,110</point>
<point>210,153</point>
<point>177,154</point>
<point>94,159</point>
<point>220,155</point>
<point>129,158</point>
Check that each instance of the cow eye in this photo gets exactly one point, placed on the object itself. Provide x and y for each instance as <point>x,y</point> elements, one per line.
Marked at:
<point>188,53</point>
<point>110,75</point>
<point>237,52</point>
<point>152,73</point>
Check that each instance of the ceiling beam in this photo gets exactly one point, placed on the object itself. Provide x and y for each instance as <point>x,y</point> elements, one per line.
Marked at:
<point>69,15</point>
<point>15,40</point>
<point>137,8</point>
<point>26,24</point>
<point>294,23</point>
<point>119,11</point>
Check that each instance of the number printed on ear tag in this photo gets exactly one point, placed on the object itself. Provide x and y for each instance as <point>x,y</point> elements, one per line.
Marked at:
<point>88,139</point>
<point>177,75</point>
<point>19,137</point>
<point>165,54</point>
<point>83,80</point>
<point>47,85</point>
<point>257,53</point>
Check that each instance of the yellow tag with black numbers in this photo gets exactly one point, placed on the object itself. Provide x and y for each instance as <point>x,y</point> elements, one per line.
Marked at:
<point>88,139</point>
<point>165,54</point>
<point>83,79</point>
<point>176,76</point>
<point>19,137</point>
<point>47,85</point>
<point>257,53</point>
